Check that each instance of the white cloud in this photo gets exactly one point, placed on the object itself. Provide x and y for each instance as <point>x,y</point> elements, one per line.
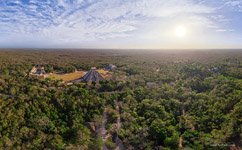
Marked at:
<point>234,4</point>
<point>79,21</point>
<point>224,30</point>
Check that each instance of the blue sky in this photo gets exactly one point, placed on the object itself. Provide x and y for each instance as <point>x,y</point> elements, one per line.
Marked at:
<point>120,24</point>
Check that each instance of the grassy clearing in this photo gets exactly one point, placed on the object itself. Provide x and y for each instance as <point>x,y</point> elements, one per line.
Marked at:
<point>75,75</point>
<point>67,77</point>
<point>105,74</point>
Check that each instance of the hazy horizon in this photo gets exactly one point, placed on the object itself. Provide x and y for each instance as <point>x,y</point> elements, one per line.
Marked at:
<point>120,49</point>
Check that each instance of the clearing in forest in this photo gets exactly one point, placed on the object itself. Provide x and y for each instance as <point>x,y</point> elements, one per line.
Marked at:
<point>77,75</point>
<point>67,77</point>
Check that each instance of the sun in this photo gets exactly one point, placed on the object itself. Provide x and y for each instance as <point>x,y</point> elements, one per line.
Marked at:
<point>180,31</point>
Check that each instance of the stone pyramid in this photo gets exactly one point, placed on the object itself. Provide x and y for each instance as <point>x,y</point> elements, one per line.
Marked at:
<point>92,76</point>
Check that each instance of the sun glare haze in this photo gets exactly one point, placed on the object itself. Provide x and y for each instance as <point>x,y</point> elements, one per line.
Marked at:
<point>180,31</point>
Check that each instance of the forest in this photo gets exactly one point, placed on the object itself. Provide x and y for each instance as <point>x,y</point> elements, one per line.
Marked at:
<point>156,99</point>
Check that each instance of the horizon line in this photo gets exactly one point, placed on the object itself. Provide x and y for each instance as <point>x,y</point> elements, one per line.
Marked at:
<point>120,49</point>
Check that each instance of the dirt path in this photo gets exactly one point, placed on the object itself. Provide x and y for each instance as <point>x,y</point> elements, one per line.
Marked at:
<point>119,118</point>
<point>118,142</point>
<point>180,142</point>
<point>103,131</point>
<point>180,124</point>
<point>187,121</point>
